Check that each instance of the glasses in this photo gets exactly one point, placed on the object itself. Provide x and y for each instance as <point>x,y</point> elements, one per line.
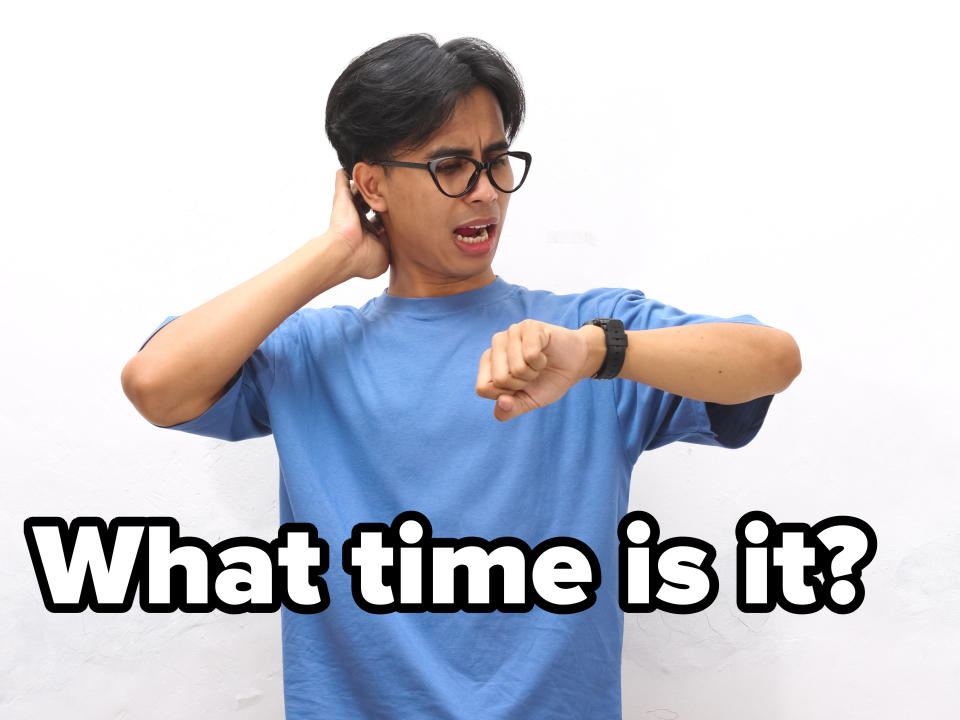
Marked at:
<point>457,175</point>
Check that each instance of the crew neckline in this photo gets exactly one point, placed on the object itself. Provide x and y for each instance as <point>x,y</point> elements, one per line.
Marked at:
<point>427,307</point>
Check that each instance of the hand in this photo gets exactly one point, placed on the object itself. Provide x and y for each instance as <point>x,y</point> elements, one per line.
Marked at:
<point>366,240</point>
<point>533,363</point>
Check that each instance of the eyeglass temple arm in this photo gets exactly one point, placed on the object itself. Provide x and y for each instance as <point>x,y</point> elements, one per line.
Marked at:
<point>397,163</point>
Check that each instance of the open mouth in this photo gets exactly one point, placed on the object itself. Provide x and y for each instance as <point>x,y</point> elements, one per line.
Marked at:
<point>474,234</point>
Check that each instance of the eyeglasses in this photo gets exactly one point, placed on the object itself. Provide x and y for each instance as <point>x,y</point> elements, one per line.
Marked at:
<point>457,175</point>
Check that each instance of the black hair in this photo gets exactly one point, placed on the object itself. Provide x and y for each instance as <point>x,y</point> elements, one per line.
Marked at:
<point>397,94</point>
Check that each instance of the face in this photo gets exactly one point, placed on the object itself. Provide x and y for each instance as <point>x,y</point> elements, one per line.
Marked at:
<point>427,257</point>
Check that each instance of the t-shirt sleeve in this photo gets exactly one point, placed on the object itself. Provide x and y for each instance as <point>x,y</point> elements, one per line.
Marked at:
<point>650,418</point>
<point>242,412</point>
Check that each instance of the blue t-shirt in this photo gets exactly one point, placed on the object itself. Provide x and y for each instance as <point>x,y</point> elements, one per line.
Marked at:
<point>374,412</point>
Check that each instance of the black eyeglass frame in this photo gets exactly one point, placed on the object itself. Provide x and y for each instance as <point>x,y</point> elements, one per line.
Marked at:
<point>479,167</point>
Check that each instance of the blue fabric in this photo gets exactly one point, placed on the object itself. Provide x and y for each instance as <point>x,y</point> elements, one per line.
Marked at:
<point>373,412</point>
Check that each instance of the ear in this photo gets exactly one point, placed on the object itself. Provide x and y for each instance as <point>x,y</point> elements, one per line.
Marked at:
<point>369,179</point>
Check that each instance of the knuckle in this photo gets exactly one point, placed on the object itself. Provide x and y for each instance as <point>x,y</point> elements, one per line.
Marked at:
<point>519,366</point>
<point>509,381</point>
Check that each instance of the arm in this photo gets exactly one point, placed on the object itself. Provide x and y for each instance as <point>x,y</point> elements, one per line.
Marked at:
<point>724,363</point>
<point>188,364</point>
<point>532,363</point>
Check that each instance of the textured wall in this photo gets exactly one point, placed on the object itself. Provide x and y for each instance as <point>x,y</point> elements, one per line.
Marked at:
<point>795,162</point>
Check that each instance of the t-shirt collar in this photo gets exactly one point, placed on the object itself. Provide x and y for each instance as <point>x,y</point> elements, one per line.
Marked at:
<point>426,307</point>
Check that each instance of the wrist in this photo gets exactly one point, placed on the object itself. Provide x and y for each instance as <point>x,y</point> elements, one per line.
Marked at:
<point>596,344</point>
<point>330,260</point>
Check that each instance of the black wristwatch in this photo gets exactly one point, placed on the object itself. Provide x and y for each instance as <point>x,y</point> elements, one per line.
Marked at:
<point>616,338</point>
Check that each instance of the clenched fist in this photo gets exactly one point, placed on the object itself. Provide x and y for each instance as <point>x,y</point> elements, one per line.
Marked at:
<point>532,364</point>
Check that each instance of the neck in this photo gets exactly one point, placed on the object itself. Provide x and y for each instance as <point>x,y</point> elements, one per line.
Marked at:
<point>403,285</point>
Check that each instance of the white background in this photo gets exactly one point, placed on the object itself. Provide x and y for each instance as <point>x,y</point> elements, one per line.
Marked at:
<point>795,161</point>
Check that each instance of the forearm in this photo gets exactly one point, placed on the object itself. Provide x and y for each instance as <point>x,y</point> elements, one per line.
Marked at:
<point>724,362</point>
<point>187,363</point>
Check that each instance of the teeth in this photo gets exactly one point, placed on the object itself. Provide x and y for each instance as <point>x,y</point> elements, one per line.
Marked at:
<point>478,239</point>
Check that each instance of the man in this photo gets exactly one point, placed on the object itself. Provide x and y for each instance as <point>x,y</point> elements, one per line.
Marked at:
<point>493,410</point>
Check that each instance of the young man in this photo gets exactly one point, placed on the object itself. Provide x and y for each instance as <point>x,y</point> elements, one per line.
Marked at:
<point>493,410</point>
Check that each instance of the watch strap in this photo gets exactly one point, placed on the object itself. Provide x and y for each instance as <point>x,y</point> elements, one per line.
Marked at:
<point>616,339</point>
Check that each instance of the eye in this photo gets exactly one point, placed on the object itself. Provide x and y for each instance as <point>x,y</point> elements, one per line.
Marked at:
<point>501,161</point>
<point>451,165</point>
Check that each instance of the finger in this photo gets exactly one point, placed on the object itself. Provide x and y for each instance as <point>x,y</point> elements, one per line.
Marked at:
<point>500,365</point>
<point>341,196</point>
<point>485,387</point>
<point>341,184</point>
<point>525,358</point>
<point>504,407</point>
<point>511,406</point>
<point>534,353</point>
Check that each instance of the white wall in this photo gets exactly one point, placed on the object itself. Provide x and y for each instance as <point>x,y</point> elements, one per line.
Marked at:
<point>797,161</point>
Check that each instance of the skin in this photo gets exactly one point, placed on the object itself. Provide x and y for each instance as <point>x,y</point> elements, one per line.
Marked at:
<point>424,260</point>
<point>531,363</point>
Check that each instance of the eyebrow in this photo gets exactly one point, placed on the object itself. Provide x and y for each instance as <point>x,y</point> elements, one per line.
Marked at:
<point>444,151</point>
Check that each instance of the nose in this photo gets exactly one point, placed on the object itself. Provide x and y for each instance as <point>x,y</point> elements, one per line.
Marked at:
<point>483,190</point>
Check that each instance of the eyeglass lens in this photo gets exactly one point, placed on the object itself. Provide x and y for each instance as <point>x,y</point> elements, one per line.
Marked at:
<point>454,173</point>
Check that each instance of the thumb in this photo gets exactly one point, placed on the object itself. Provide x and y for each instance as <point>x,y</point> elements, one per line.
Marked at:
<point>510,406</point>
